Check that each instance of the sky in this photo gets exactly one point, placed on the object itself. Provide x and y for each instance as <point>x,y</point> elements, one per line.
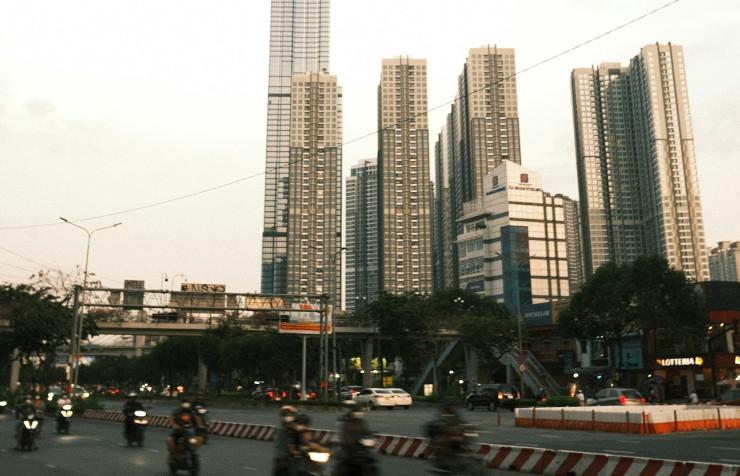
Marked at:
<point>111,105</point>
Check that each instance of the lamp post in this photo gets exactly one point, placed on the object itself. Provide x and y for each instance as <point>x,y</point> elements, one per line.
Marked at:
<point>78,320</point>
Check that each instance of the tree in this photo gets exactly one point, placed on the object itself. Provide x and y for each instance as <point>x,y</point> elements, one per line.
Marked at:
<point>40,324</point>
<point>646,297</point>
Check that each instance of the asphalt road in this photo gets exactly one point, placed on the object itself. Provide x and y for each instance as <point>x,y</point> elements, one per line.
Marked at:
<point>97,448</point>
<point>711,446</point>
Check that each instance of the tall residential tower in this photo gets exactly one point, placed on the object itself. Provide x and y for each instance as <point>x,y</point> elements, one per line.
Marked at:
<point>638,186</point>
<point>299,43</point>
<point>361,230</point>
<point>404,198</point>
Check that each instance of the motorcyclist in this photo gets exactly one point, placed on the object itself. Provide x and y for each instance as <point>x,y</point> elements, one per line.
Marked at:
<point>131,406</point>
<point>63,400</point>
<point>447,438</point>
<point>354,459</point>
<point>199,410</point>
<point>22,410</point>
<point>286,441</point>
<point>182,420</point>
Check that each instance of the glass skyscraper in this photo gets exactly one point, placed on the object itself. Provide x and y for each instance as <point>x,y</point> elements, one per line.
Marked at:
<point>299,43</point>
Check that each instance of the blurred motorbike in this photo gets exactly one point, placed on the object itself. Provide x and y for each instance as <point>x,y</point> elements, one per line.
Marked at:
<point>63,418</point>
<point>185,457</point>
<point>135,428</point>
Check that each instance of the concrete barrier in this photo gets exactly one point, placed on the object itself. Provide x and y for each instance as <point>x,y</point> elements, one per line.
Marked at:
<point>638,419</point>
<point>512,458</point>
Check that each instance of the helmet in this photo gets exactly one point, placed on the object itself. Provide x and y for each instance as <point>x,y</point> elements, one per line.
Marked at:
<point>302,419</point>
<point>288,410</point>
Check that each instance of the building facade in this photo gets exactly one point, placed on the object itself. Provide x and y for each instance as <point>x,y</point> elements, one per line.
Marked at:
<point>404,198</point>
<point>361,234</point>
<point>481,131</point>
<point>315,187</point>
<point>512,243</point>
<point>299,43</point>
<point>574,242</point>
<point>638,185</point>
<point>724,261</point>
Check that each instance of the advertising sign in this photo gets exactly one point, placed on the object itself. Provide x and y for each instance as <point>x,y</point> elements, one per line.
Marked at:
<point>537,315</point>
<point>133,299</point>
<point>681,361</point>
<point>305,318</point>
<point>199,296</point>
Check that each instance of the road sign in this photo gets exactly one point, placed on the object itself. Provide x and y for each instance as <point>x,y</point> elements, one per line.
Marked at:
<point>305,318</point>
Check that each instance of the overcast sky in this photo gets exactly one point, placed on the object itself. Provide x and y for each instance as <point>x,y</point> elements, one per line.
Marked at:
<point>108,105</point>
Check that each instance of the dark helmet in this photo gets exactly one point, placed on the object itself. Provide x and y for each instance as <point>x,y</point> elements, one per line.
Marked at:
<point>302,419</point>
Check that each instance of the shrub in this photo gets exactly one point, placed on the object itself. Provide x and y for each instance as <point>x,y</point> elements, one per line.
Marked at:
<point>562,401</point>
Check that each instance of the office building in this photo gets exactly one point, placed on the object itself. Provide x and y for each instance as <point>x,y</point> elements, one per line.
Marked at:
<point>444,256</point>
<point>637,177</point>
<point>361,229</point>
<point>574,242</point>
<point>724,261</point>
<point>315,187</point>
<point>512,242</point>
<point>404,206</point>
<point>299,43</point>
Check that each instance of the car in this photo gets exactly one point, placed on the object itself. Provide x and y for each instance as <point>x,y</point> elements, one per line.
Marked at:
<point>349,392</point>
<point>402,398</point>
<point>491,396</point>
<point>373,398</point>
<point>616,396</point>
<point>730,397</point>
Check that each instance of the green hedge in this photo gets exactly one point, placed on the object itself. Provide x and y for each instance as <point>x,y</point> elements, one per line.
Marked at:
<point>562,401</point>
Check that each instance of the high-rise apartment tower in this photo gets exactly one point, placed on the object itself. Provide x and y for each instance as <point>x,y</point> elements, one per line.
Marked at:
<point>299,43</point>
<point>404,198</point>
<point>638,186</point>
<point>361,229</point>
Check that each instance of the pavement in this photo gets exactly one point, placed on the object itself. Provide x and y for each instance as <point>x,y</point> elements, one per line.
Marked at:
<point>98,448</point>
<point>498,428</point>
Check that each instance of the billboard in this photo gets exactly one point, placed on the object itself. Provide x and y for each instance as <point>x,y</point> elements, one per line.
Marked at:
<point>304,318</point>
<point>537,315</point>
<point>198,296</point>
<point>133,299</point>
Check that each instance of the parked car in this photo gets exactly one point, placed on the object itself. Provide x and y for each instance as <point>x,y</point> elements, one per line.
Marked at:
<point>730,397</point>
<point>491,396</point>
<point>373,398</point>
<point>616,396</point>
<point>402,398</point>
<point>349,392</point>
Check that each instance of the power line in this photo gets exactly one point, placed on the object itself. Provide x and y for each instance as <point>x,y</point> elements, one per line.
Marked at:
<point>44,266</point>
<point>361,137</point>
<point>17,267</point>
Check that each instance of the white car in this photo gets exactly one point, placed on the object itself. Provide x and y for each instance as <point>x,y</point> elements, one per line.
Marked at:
<point>401,398</point>
<point>373,398</point>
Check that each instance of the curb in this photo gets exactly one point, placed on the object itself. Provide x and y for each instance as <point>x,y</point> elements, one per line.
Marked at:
<point>512,458</point>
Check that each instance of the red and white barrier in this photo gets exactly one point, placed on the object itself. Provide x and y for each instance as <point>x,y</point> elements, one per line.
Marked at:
<point>642,419</point>
<point>512,458</point>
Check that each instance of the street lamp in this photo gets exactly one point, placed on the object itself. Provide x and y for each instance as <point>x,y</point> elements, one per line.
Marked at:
<point>77,320</point>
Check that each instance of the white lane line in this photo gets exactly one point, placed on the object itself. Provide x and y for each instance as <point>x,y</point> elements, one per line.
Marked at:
<point>630,442</point>
<point>49,465</point>
<point>152,450</point>
<point>725,448</point>
<point>525,444</point>
<point>249,468</point>
<point>545,435</point>
<point>25,457</point>
<point>730,460</point>
<point>619,452</point>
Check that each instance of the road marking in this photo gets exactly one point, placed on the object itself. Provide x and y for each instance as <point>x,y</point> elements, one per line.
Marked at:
<point>619,452</point>
<point>25,457</point>
<point>49,465</point>
<point>96,439</point>
<point>545,435</point>
<point>121,444</point>
<point>730,460</point>
<point>525,444</point>
<point>725,448</point>
<point>152,450</point>
<point>249,468</point>
<point>630,442</point>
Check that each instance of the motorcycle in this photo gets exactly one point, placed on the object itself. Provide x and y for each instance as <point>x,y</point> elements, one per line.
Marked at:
<point>201,424</point>
<point>313,462</point>
<point>359,460</point>
<point>29,430</point>
<point>3,405</point>
<point>135,428</point>
<point>457,458</point>
<point>185,457</point>
<point>63,417</point>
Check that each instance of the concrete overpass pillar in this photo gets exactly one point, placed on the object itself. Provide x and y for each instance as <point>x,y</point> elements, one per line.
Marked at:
<point>139,345</point>
<point>202,375</point>
<point>472,363</point>
<point>367,359</point>
<point>15,371</point>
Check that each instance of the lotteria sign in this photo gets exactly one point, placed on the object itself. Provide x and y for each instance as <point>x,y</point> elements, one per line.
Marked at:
<point>681,361</point>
